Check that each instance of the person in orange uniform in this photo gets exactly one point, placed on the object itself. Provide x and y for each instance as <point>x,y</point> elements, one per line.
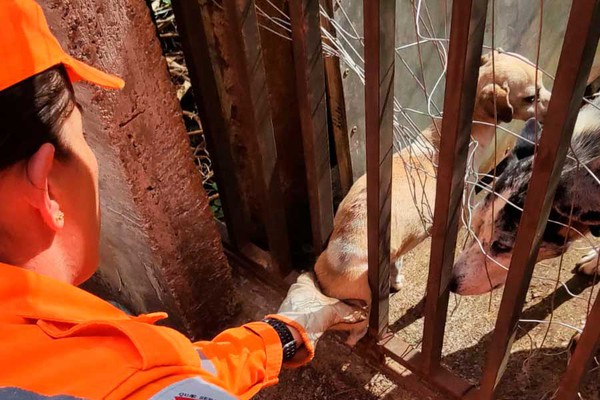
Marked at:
<point>60,342</point>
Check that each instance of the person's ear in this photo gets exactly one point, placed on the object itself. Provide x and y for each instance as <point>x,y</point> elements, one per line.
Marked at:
<point>38,171</point>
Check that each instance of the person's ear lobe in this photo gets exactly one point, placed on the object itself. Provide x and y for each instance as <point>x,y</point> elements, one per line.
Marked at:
<point>38,171</point>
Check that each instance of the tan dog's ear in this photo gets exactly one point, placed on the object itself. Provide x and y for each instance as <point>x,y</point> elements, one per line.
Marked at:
<point>501,93</point>
<point>487,58</point>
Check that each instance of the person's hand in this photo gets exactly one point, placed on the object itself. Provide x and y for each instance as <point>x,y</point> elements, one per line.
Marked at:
<point>312,313</point>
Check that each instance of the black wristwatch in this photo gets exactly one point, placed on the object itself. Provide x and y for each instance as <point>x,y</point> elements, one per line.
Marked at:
<point>285,335</point>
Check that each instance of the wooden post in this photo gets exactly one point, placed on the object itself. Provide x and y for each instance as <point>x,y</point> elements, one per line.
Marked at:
<point>337,108</point>
<point>201,56</point>
<point>255,113</point>
<point>310,84</point>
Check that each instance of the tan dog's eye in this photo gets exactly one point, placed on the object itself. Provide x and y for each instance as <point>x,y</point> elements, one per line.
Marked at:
<point>529,99</point>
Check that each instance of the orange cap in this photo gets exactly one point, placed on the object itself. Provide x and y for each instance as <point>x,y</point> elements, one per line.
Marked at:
<point>27,47</point>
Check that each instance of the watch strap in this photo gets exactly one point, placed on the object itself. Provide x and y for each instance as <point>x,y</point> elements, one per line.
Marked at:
<point>288,343</point>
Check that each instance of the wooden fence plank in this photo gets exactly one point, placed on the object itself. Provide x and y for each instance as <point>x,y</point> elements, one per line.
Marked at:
<point>310,84</point>
<point>336,105</point>
<point>379,33</point>
<point>466,40</point>
<point>255,113</point>
<point>581,39</point>
<point>195,27</point>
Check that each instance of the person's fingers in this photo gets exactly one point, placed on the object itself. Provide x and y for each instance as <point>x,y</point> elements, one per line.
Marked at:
<point>349,314</point>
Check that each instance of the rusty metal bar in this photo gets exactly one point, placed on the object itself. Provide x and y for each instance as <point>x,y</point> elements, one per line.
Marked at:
<point>310,84</point>
<point>466,40</point>
<point>586,348</point>
<point>201,55</point>
<point>255,114</point>
<point>443,380</point>
<point>336,105</point>
<point>580,42</point>
<point>379,33</point>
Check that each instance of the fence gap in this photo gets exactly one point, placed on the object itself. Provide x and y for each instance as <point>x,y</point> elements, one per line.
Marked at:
<point>464,58</point>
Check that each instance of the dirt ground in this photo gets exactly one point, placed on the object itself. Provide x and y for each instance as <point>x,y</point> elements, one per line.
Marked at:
<point>535,365</point>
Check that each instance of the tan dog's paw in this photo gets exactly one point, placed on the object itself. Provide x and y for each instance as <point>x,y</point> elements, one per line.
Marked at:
<point>397,282</point>
<point>355,335</point>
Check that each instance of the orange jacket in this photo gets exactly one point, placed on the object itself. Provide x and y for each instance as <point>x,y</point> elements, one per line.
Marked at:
<point>56,339</point>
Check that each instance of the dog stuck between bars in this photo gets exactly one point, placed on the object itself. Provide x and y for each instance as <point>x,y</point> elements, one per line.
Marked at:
<point>510,93</point>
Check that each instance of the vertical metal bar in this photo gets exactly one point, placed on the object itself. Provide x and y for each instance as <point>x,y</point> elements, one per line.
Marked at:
<point>466,40</point>
<point>201,55</point>
<point>310,84</point>
<point>587,346</point>
<point>379,33</point>
<point>336,104</point>
<point>580,42</point>
<point>255,112</point>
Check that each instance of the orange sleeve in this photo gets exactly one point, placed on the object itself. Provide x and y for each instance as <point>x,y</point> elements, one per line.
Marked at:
<point>245,359</point>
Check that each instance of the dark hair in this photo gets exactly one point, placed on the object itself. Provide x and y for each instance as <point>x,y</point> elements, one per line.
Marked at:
<point>32,112</point>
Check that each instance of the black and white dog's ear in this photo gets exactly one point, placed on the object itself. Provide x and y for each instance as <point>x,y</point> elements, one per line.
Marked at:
<point>578,198</point>
<point>529,136</point>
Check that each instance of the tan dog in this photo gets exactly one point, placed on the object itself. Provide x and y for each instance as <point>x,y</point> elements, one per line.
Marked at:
<point>342,268</point>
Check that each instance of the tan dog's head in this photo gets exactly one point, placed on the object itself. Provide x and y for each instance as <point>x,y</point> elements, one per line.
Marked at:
<point>513,83</point>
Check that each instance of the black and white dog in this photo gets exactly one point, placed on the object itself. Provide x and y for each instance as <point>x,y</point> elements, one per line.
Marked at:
<point>483,264</point>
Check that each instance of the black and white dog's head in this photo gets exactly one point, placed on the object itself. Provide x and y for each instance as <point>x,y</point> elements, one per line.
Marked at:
<point>483,264</point>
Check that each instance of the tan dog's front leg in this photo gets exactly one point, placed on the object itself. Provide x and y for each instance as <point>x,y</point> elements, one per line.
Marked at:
<point>355,331</point>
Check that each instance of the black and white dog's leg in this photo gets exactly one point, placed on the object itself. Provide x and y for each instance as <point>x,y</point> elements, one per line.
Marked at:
<point>396,276</point>
<point>588,264</point>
